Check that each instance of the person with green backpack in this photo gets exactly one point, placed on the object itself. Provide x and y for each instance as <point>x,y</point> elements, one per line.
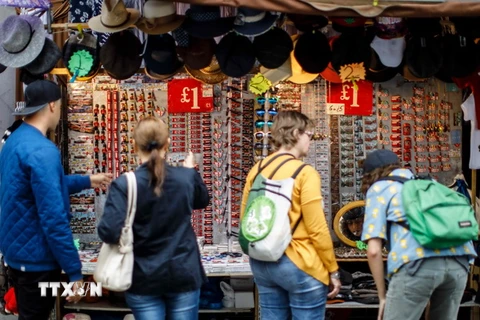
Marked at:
<point>283,227</point>
<point>428,229</point>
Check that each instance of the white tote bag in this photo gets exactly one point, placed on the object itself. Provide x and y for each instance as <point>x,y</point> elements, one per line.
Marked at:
<point>115,262</point>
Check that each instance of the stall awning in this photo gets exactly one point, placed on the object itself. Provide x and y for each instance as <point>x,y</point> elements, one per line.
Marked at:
<point>366,8</point>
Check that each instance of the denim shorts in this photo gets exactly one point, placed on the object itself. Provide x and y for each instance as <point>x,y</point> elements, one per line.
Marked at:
<point>286,292</point>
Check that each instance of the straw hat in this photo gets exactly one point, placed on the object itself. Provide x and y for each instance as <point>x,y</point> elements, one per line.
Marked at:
<point>114,17</point>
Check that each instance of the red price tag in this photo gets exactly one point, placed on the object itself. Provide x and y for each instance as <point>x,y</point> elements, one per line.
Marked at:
<point>189,95</point>
<point>357,101</point>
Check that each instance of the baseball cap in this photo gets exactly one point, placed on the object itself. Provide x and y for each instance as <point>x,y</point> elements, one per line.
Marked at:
<point>378,159</point>
<point>37,95</point>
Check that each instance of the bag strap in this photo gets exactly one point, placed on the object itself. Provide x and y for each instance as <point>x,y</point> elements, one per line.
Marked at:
<point>279,166</point>
<point>260,167</point>
<point>132,199</point>
<point>394,178</point>
<point>294,176</point>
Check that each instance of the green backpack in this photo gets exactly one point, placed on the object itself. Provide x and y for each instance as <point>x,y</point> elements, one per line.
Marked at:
<point>265,226</point>
<point>438,217</point>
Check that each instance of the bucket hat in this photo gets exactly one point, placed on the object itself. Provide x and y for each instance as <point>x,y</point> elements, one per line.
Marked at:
<point>235,55</point>
<point>159,17</point>
<point>85,50</point>
<point>273,48</point>
<point>21,40</point>
<point>299,76</point>
<point>114,17</point>
<point>46,60</point>
<point>198,53</point>
<point>312,51</point>
<point>121,55</point>
<point>253,22</point>
<point>161,60</point>
<point>205,22</point>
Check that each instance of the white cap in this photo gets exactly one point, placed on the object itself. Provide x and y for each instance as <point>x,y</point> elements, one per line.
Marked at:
<point>390,51</point>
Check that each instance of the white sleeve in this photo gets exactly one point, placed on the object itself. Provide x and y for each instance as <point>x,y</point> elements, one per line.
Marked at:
<point>468,108</point>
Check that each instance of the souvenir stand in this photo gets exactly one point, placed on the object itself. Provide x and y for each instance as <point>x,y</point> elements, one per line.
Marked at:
<point>219,99</point>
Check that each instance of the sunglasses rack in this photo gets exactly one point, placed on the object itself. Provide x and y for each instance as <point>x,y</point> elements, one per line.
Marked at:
<point>313,105</point>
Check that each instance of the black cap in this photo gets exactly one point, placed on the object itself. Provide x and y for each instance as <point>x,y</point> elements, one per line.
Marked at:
<point>273,48</point>
<point>378,159</point>
<point>37,95</point>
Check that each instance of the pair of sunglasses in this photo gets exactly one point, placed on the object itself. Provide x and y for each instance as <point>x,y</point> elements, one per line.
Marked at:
<point>271,111</point>
<point>261,123</point>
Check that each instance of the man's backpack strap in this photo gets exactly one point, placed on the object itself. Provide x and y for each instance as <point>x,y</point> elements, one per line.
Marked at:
<point>394,178</point>
<point>401,180</point>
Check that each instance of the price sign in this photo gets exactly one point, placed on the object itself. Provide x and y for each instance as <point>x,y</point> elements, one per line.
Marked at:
<point>336,108</point>
<point>189,95</point>
<point>358,100</point>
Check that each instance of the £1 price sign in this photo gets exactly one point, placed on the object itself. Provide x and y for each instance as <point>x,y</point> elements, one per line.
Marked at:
<point>189,95</point>
<point>358,100</point>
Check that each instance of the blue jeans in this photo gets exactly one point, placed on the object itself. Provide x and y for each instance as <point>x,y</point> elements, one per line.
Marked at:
<point>172,306</point>
<point>286,292</point>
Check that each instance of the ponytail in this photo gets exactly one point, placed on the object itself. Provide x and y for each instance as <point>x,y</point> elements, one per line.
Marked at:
<point>156,166</point>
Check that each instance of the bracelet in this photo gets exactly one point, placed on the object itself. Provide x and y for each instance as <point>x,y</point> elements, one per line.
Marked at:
<point>335,275</point>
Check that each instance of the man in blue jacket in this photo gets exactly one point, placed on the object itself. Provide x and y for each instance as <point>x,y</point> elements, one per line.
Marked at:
<point>35,235</point>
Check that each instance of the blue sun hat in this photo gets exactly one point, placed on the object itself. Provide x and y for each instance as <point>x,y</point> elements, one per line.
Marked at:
<point>253,22</point>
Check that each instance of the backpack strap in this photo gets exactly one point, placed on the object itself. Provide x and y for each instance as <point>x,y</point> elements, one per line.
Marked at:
<point>279,166</point>
<point>394,178</point>
<point>260,167</point>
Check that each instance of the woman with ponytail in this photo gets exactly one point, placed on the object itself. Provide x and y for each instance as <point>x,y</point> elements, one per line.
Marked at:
<point>168,272</point>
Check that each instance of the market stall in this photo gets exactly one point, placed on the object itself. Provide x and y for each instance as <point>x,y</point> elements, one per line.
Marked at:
<point>219,76</point>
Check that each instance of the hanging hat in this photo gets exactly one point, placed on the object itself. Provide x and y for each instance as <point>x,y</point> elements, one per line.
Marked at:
<point>209,75</point>
<point>350,48</point>
<point>235,55</point>
<point>459,55</point>
<point>330,74</point>
<point>346,24</point>
<point>253,22</point>
<point>278,74</point>
<point>389,41</point>
<point>21,40</point>
<point>205,22</point>
<point>273,48</point>
<point>198,53</point>
<point>121,55</point>
<point>114,17</point>
<point>423,56</point>
<point>6,12</point>
<point>81,56</point>
<point>299,76</point>
<point>424,27</point>
<point>27,78</point>
<point>306,23</point>
<point>46,60</point>
<point>408,75</point>
<point>161,60</point>
<point>312,52</point>
<point>159,17</point>
<point>378,72</point>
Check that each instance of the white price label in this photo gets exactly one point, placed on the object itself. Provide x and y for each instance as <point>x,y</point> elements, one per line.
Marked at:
<point>336,108</point>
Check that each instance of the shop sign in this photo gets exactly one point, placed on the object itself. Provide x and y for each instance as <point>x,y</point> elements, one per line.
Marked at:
<point>189,95</point>
<point>40,4</point>
<point>350,99</point>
